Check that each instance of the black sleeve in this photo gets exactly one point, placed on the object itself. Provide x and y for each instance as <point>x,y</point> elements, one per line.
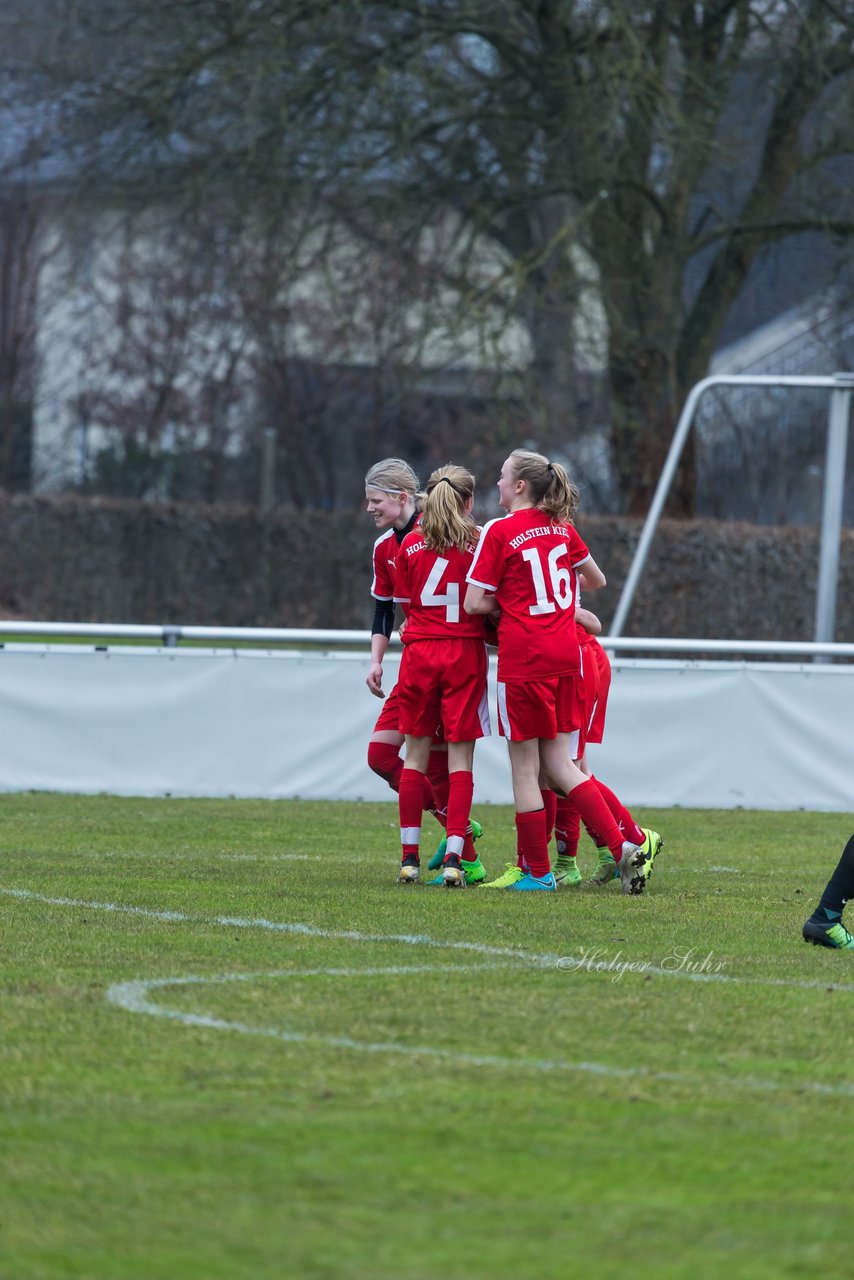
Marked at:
<point>383,624</point>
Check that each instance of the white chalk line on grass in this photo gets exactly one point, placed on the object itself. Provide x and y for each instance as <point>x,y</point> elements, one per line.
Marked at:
<point>228,856</point>
<point>133,997</point>
<point>530,959</point>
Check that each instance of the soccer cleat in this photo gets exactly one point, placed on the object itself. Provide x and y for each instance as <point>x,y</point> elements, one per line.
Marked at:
<point>828,935</point>
<point>634,867</point>
<point>475,873</point>
<point>652,846</point>
<point>606,868</point>
<point>438,858</point>
<point>409,870</point>
<point>442,847</point>
<point>509,877</point>
<point>453,875</point>
<point>529,881</point>
<point>566,871</point>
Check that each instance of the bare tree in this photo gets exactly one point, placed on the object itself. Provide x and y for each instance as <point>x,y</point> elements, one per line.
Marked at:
<point>26,248</point>
<point>21,261</point>
<point>670,142</point>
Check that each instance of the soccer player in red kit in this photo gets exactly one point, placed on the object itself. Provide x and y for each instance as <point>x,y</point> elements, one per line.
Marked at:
<point>595,685</point>
<point>526,565</point>
<point>443,670</point>
<point>391,487</point>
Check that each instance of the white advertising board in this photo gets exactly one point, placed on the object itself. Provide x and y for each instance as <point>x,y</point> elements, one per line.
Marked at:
<point>202,722</point>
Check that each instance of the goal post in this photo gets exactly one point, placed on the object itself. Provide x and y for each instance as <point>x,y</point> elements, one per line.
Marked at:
<point>840,386</point>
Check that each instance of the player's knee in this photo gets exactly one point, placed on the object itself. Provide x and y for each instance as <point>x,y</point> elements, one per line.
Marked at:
<point>384,759</point>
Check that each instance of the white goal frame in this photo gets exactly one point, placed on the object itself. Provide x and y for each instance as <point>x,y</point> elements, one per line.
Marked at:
<point>840,386</point>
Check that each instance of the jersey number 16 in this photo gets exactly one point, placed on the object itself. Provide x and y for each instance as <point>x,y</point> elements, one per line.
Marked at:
<point>561,595</point>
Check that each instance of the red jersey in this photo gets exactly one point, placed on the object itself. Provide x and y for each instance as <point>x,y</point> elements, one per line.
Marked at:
<point>529,562</point>
<point>432,586</point>
<point>384,557</point>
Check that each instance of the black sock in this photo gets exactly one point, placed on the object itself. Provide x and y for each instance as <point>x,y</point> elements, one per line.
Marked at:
<point>840,887</point>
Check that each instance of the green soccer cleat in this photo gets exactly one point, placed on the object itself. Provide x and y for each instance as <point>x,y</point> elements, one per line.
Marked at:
<point>652,846</point>
<point>606,868</point>
<point>828,935</point>
<point>442,847</point>
<point>409,870</point>
<point>510,876</point>
<point>475,873</point>
<point>566,871</point>
<point>438,858</point>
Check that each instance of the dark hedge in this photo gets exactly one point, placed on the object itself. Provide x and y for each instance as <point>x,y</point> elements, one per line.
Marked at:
<point>107,560</point>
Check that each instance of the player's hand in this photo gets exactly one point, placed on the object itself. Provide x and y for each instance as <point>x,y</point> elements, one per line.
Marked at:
<point>588,621</point>
<point>374,680</point>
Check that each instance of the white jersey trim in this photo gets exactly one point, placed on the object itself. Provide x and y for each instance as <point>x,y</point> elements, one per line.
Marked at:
<point>483,532</point>
<point>483,714</point>
<point>485,585</point>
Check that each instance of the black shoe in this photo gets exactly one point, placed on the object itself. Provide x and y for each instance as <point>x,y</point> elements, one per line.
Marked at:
<point>828,935</point>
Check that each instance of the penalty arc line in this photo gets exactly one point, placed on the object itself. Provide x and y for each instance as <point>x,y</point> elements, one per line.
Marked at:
<point>133,997</point>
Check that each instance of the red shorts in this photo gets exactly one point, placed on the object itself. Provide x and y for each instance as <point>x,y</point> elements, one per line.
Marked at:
<point>589,695</point>
<point>444,682</point>
<point>540,708</point>
<point>596,724</point>
<point>388,720</point>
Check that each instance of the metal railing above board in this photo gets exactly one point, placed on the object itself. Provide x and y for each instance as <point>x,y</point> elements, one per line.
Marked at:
<point>170,635</point>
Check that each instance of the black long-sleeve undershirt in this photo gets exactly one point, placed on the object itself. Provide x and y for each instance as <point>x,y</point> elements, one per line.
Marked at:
<point>383,623</point>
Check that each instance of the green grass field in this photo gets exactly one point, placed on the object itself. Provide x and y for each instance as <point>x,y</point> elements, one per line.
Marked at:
<point>413,1084</point>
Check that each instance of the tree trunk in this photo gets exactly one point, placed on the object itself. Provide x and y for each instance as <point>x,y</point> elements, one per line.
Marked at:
<point>644,412</point>
<point>549,310</point>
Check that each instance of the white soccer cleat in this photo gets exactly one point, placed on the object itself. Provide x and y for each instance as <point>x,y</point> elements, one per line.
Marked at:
<point>409,870</point>
<point>453,876</point>
<point>634,867</point>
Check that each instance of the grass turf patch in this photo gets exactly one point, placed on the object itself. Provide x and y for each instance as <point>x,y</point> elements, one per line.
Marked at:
<point>363,1080</point>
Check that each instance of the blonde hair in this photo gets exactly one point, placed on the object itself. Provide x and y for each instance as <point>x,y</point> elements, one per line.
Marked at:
<point>392,475</point>
<point>549,484</point>
<point>445,521</point>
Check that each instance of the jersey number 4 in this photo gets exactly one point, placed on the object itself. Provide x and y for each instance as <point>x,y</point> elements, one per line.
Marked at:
<point>560,579</point>
<point>450,598</point>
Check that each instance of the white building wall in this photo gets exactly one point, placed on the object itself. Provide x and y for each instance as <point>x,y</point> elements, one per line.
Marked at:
<point>339,313</point>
